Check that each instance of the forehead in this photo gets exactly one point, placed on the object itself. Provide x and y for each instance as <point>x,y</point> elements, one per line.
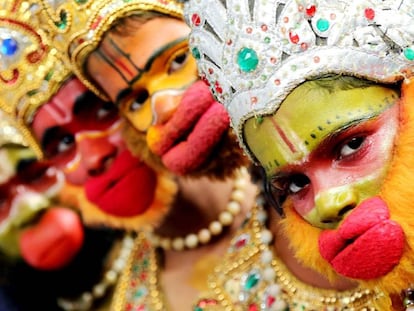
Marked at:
<point>149,36</point>
<point>59,109</point>
<point>307,117</point>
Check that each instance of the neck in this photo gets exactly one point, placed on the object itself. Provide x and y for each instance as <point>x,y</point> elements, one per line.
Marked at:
<point>200,201</point>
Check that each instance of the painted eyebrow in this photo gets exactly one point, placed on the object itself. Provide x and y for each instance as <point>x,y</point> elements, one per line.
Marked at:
<point>128,90</point>
<point>121,95</point>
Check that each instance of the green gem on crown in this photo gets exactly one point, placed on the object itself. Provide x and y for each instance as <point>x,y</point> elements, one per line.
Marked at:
<point>409,53</point>
<point>322,25</point>
<point>196,53</point>
<point>247,59</point>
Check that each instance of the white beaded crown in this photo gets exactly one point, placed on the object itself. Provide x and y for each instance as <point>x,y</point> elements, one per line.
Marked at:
<point>253,53</point>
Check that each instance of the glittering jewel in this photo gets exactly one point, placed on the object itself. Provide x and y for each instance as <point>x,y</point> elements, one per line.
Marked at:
<point>8,46</point>
<point>251,280</point>
<point>322,24</point>
<point>196,53</point>
<point>310,10</point>
<point>247,59</point>
<point>369,13</point>
<point>196,20</point>
<point>409,53</point>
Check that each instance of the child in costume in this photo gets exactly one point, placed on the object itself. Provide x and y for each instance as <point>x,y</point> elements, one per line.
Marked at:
<point>135,54</point>
<point>320,95</point>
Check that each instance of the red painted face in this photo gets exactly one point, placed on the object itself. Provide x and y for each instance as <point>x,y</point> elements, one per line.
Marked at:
<point>78,132</point>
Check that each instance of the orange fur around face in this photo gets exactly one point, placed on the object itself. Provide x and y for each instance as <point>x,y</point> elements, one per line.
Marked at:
<point>397,191</point>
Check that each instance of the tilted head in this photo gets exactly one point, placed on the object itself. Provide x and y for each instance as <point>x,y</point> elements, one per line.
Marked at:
<point>136,54</point>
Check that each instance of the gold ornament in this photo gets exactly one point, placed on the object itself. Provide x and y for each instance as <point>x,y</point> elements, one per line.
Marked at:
<point>31,69</point>
<point>9,132</point>
<point>252,275</point>
<point>82,24</point>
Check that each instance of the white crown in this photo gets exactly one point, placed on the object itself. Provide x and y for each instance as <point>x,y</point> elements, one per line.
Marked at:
<point>253,53</point>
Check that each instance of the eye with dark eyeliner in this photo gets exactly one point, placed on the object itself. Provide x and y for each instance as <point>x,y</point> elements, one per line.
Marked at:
<point>350,147</point>
<point>141,96</point>
<point>178,61</point>
<point>290,184</point>
<point>56,141</point>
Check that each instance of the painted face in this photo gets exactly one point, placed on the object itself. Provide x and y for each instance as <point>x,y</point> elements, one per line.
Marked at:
<point>328,164</point>
<point>24,193</point>
<point>80,134</point>
<point>152,78</point>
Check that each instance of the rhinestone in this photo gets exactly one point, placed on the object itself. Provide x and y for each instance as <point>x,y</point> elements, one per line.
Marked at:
<point>310,10</point>
<point>251,281</point>
<point>294,38</point>
<point>247,59</point>
<point>322,24</point>
<point>409,53</point>
<point>196,20</point>
<point>8,47</point>
<point>196,53</point>
<point>369,13</point>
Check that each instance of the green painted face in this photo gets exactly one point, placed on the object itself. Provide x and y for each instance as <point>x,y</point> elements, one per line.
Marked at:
<point>327,150</point>
<point>307,117</point>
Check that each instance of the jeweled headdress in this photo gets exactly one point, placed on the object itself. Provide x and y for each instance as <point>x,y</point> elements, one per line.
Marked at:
<point>31,69</point>
<point>9,132</point>
<point>83,23</point>
<point>253,53</point>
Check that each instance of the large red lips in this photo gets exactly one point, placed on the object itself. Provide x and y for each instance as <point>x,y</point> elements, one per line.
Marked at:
<point>126,189</point>
<point>54,240</point>
<point>191,135</point>
<point>367,245</point>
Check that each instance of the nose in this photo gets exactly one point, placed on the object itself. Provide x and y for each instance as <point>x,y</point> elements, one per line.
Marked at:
<point>332,204</point>
<point>96,152</point>
<point>164,104</point>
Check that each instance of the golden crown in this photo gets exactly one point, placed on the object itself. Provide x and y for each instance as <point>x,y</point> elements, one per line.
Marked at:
<point>31,69</point>
<point>10,133</point>
<point>82,24</point>
<point>255,52</point>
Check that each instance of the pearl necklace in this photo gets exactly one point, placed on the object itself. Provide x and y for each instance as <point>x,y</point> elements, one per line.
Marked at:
<point>86,299</point>
<point>203,236</point>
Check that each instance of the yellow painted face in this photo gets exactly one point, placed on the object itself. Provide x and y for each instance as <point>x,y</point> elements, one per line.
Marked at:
<point>146,80</point>
<point>327,150</point>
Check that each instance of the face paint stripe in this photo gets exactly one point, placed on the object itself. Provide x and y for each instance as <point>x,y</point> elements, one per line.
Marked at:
<point>283,136</point>
<point>110,63</point>
<point>118,62</point>
<point>127,56</point>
